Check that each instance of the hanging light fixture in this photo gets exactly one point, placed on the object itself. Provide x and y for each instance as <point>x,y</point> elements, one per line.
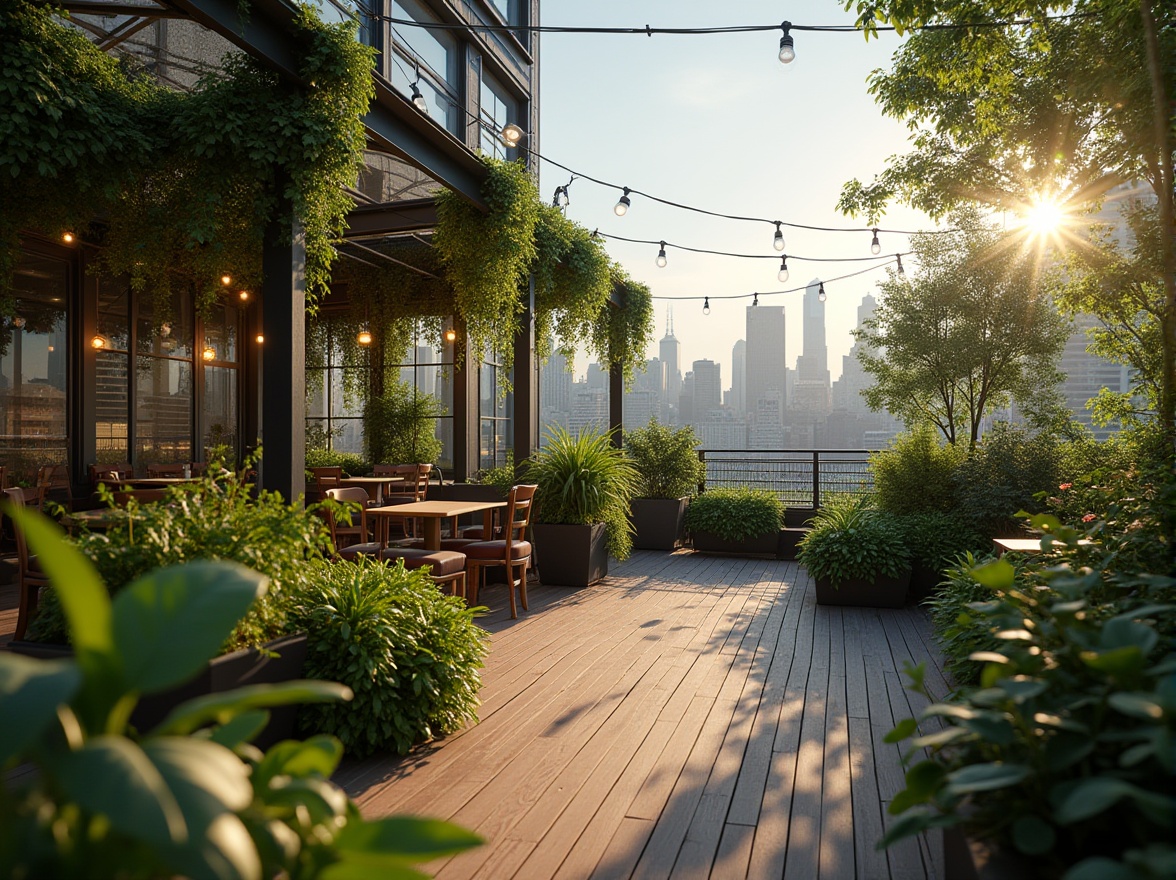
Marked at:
<point>755,299</point>
<point>783,273</point>
<point>226,280</point>
<point>821,292</point>
<point>209,353</point>
<point>706,305</point>
<point>661,256</point>
<point>450,334</point>
<point>875,245</point>
<point>778,238</point>
<point>364,337</point>
<point>98,342</point>
<point>511,135</point>
<point>622,206</point>
<point>18,322</point>
<point>898,259</point>
<point>67,237</point>
<point>787,50</point>
<point>418,99</point>
<point>165,329</point>
<point>244,295</point>
<point>260,338</point>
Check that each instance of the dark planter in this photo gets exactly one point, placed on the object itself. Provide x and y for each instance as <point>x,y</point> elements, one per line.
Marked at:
<point>967,859</point>
<point>570,556</point>
<point>924,581</point>
<point>657,522</point>
<point>798,517</point>
<point>756,545</point>
<point>881,592</point>
<point>788,542</point>
<point>221,674</point>
<point>466,492</point>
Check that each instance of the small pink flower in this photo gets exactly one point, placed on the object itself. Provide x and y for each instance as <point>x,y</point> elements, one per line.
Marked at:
<point>1065,486</point>
<point>1090,517</point>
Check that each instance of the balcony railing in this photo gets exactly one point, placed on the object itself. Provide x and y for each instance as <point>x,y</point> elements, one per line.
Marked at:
<point>800,477</point>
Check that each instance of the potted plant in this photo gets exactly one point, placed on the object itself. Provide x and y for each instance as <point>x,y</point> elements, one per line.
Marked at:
<point>582,506</point>
<point>935,540</point>
<point>189,796</point>
<point>668,473</point>
<point>857,555</point>
<point>742,520</point>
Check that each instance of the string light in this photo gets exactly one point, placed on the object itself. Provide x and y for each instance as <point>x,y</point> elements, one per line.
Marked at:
<point>783,273</point>
<point>209,353</point>
<point>98,342</point>
<point>661,256</point>
<point>418,99</point>
<point>787,52</point>
<point>364,337</point>
<point>512,135</point>
<point>821,292</point>
<point>260,338</point>
<point>706,306</point>
<point>226,280</point>
<point>755,299</point>
<point>67,237</point>
<point>450,335</point>
<point>695,250</point>
<point>244,295</point>
<point>706,298</point>
<point>778,238</point>
<point>875,245</point>
<point>898,260</point>
<point>622,206</point>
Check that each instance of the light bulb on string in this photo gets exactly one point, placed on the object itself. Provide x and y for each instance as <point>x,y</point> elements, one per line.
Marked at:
<point>418,99</point>
<point>898,260</point>
<point>787,50</point>
<point>450,335</point>
<point>364,337</point>
<point>875,245</point>
<point>622,206</point>
<point>755,299</point>
<point>511,135</point>
<point>661,256</point>
<point>821,292</point>
<point>244,295</point>
<point>778,238</point>
<point>706,305</point>
<point>209,353</point>
<point>99,342</point>
<point>226,280</point>
<point>783,273</point>
<point>260,338</point>
<point>67,237</point>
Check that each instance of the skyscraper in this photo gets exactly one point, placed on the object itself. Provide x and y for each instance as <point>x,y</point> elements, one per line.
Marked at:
<point>765,372</point>
<point>708,388</point>
<point>812,367</point>
<point>739,378</point>
<point>670,352</point>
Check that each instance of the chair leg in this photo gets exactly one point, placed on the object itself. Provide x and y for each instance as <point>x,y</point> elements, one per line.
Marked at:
<point>474,572</point>
<point>523,584</point>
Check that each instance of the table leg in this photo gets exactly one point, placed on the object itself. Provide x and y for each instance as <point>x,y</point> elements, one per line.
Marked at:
<point>488,524</point>
<point>432,532</point>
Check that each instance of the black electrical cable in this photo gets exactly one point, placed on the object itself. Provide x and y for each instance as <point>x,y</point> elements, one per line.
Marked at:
<point>760,293</point>
<point>694,250</point>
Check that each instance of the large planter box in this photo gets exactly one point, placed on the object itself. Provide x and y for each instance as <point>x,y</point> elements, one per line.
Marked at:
<point>224,673</point>
<point>967,859</point>
<point>756,545</point>
<point>798,517</point>
<point>570,556</point>
<point>881,592</point>
<point>788,543</point>
<point>657,522</point>
<point>924,582</point>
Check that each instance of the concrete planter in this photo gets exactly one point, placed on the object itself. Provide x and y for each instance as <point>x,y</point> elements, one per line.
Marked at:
<point>756,545</point>
<point>224,673</point>
<point>570,556</point>
<point>658,522</point>
<point>881,592</point>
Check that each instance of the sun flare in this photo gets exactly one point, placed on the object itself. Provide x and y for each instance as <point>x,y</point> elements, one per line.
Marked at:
<point>1044,217</point>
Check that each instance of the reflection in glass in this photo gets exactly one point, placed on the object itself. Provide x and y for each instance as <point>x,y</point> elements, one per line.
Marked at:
<point>111,406</point>
<point>168,333</point>
<point>218,419</point>
<point>163,411</point>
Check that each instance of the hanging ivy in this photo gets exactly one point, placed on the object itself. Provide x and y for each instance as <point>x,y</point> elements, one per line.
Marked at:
<point>619,338</point>
<point>185,184</point>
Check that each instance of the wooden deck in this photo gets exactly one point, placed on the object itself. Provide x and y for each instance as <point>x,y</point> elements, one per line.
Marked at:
<point>689,717</point>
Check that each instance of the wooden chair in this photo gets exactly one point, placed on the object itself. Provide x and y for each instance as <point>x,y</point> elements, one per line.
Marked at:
<point>110,474</point>
<point>413,487</point>
<point>354,497</point>
<point>165,470</point>
<point>323,479</point>
<point>32,578</point>
<point>53,481</point>
<point>446,567</point>
<point>513,551</point>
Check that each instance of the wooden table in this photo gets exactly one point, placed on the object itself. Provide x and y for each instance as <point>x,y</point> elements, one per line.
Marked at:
<point>432,512</point>
<point>99,519</point>
<point>370,483</point>
<point>1026,545</point>
<point>155,482</point>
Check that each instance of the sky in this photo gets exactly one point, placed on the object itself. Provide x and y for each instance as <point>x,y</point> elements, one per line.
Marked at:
<point>717,122</point>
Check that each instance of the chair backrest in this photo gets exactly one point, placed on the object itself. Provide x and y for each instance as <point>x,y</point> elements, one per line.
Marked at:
<point>165,470</point>
<point>17,497</point>
<point>520,503</point>
<point>352,496</point>
<point>3,477</point>
<point>110,473</point>
<point>415,483</point>
<point>327,477</point>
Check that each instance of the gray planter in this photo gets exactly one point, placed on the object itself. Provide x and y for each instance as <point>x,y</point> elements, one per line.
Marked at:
<point>756,545</point>
<point>881,592</point>
<point>570,556</point>
<point>657,522</point>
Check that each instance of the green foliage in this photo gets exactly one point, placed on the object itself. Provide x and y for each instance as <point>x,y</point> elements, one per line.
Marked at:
<point>619,339</point>
<point>1004,475</point>
<point>851,540</point>
<point>735,514</point>
<point>956,629</point>
<point>400,427</point>
<point>962,335</point>
<point>192,797</point>
<point>410,654</point>
<point>217,518</point>
<point>666,461</point>
<point>186,183</point>
<point>503,478</point>
<point>583,479</point>
<point>352,464</point>
<point>936,539</point>
<point>1064,752</point>
<point>917,473</point>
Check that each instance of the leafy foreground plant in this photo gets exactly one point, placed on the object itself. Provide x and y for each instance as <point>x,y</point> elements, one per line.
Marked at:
<point>190,798</point>
<point>409,653</point>
<point>735,514</point>
<point>1065,752</point>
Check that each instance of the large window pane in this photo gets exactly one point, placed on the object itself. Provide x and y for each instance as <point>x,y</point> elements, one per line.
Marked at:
<point>218,419</point>
<point>111,406</point>
<point>163,411</point>
<point>33,369</point>
<point>497,109</point>
<point>168,332</point>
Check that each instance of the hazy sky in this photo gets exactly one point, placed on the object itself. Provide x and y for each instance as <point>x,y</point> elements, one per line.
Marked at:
<point>716,121</point>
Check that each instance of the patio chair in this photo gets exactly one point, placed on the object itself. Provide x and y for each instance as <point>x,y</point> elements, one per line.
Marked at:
<point>512,552</point>
<point>340,533</point>
<point>447,568</point>
<point>32,577</point>
<point>53,481</point>
<point>413,487</point>
<point>110,474</point>
<point>322,480</point>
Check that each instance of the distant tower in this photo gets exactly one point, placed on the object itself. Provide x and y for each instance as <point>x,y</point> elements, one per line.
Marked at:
<point>670,352</point>
<point>766,372</point>
<point>739,378</point>
<point>812,367</point>
<point>708,388</point>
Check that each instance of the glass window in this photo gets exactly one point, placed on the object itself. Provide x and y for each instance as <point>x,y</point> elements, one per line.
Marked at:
<point>428,59</point>
<point>33,369</point>
<point>163,410</point>
<point>495,424</point>
<point>429,371</point>
<point>218,414</point>
<point>112,404</point>
<point>334,418</point>
<point>497,109</point>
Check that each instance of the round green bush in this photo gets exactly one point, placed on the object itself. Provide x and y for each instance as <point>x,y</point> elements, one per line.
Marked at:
<point>916,474</point>
<point>735,514</point>
<point>850,540</point>
<point>937,539</point>
<point>666,459</point>
<point>410,655</point>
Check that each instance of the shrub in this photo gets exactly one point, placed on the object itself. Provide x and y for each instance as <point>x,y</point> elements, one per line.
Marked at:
<point>410,655</point>
<point>191,797</point>
<point>400,427</point>
<point>352,464</point>
<point>956,629</point>
<point>850,540</point>
<point>666,460</point>
<point>735,514</point>
<point>215,518</point>
<point>502,478</point>
<point>583,479</point>
<point>916,474</point>
<point>1004,475</point>
<point>937,539</point>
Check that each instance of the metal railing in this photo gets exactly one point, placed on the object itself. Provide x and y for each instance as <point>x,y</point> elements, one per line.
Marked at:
<point>800,477</point>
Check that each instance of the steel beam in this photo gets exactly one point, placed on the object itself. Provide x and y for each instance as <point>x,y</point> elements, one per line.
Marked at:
<point>411,215</point>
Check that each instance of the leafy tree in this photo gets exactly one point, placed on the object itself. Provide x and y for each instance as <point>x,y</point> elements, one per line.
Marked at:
<point>1060,108</point>
<point>958,338</point>
<point>400,426</point>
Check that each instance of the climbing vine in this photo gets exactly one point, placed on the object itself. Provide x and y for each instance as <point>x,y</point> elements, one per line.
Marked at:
<point>185,184</point>
<point>618,339</point>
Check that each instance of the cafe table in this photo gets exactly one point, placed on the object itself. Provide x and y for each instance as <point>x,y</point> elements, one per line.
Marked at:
<point>431,513</point>
<point>1023,545</point>
<point>370,484</point>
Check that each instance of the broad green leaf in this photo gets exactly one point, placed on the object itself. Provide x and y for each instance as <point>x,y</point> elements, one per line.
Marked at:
<point>222,708</point>
<point>241,729</point>
<point>997,574</point>
<point>172,621</point>
<point>224,850</point>
<point>1118,661</point>
<point>198,767</point>
<point>1066,749</point>
<point>902,730</point>
<point>113,777</point>
<point>1033,836</point>
<point>924,779</point>
<point>84,598</point>
<point>912,822</point>
<point>323,801</point>
<point>986,777</point>
<point>1137,705</point>
<point>30,692</point>
<point>404,836</point>
<point>1100,868</point>
<point>988,657</point>
<point>992,727</point>
<point>1023,687</point>
<point>940,737</point>
<point>1122,632</point>
<point>1090,797</point>
<point>949,710</point>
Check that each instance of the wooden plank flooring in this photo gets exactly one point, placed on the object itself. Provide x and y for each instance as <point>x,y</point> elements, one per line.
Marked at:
<point>689,717</point>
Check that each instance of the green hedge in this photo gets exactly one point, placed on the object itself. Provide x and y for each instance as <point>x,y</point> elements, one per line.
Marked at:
<point>735,514</point>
